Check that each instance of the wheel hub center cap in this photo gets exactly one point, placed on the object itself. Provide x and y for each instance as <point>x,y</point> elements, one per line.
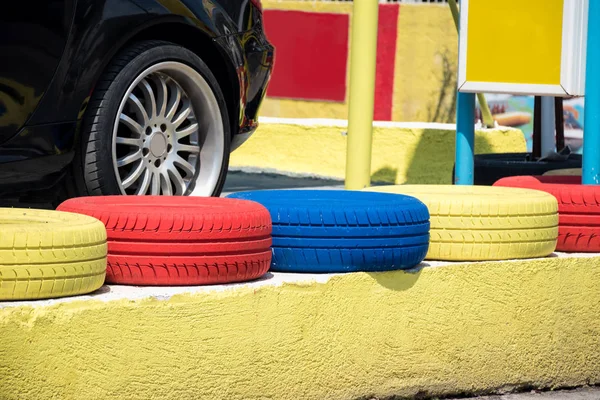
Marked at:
<point>158,145</point>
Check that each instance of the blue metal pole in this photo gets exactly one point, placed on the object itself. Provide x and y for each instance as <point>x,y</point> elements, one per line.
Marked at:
<point>465,135</point>
<point>465,139</point>
<point>591,121</point>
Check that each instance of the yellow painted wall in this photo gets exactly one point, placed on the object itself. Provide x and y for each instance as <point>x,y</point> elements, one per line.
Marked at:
<point>427,51</point>
<point>286,108</point>
<point>467,327</point>
<point>426,64</point>
<point>400,155</point>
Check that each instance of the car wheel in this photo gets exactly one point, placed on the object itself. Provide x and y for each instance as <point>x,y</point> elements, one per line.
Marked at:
<point>157,124</point>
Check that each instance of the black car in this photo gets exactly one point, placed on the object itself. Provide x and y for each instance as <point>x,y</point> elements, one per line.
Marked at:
<point>105,97</point>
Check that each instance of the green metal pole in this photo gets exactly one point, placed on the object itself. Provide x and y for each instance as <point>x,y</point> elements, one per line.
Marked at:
<point>486,114</point>
<point>362,93</point>
<point>454,11</point>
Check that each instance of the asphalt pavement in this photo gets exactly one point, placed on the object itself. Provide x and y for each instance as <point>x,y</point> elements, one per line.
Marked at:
<point>235,182</point>
<point>242,181</point>
<point>588,393</point>
<point>584,393</point>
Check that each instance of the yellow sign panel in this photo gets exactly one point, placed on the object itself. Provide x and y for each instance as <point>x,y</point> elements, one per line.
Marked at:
<point>495,27</point>
<point>523,46</point>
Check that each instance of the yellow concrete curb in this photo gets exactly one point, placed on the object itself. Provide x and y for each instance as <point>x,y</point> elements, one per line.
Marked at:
<point>402,152</point>
<point>442,329</point>
<point>564,172</point>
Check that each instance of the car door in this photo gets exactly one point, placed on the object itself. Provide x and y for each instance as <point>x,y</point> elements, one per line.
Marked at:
<point>33,35</point>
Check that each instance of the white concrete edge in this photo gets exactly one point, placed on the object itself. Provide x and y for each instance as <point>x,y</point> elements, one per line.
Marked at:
<point>135,293</point>
<point>342,123</point>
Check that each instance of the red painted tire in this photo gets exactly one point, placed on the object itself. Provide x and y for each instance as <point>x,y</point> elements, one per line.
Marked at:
<point>161,240</point>
<point>578,209</point>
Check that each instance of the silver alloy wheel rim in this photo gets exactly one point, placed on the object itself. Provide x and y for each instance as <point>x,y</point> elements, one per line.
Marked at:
<point>168,137</point>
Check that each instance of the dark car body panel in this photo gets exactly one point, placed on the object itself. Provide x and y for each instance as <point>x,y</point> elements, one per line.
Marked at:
<point>53,69</point>
<point>31,50</point>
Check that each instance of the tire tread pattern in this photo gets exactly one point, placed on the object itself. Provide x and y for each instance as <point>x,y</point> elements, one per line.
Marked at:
<point>331,237</point>
<point>64,256</point>
<point>578,208</point>
<point>182,271</point>
<point>483,224</point>
<point>217,246</point>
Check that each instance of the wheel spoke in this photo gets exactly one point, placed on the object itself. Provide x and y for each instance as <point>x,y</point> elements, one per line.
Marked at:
<point>143,187</point>
<point>161,96</point>
<point>177,179</point>
<point>134,175</point>
<point>184,165</point>
<point>155,189</point>
<point>186,109</point>
<point>149,99</point>
<point>173,101</point>
<point>139,108</point>
<point>186,131</point>
<point>188,148</point>
<point>157,115</point>
<point>129,158</point>
<point>131,124</point>
<point>129,141</point>
<point>165,184</point>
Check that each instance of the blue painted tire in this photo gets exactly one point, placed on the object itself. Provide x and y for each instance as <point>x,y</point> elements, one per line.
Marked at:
<point>344,231</point>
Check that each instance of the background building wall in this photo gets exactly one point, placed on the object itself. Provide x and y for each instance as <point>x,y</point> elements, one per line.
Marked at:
<point>416,61</point>
<point>417,53</point>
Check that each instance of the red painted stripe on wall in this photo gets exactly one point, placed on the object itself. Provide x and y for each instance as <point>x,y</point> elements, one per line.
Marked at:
<point>311,54</point>
<point>387,33</point>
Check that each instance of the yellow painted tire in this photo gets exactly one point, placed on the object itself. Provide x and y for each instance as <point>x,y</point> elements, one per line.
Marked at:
<point>480,223</point>
<point>45,254</point>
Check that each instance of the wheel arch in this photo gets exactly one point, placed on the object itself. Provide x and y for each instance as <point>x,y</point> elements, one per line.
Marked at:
<point>208,50</point>
<point>91,51</point>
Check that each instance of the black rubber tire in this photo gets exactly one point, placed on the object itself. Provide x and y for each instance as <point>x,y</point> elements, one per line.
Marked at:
<point>490,168</point>
<point>92,169</point>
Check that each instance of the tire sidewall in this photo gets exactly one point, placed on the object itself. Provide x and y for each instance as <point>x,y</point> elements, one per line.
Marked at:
<point>110,100</point>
